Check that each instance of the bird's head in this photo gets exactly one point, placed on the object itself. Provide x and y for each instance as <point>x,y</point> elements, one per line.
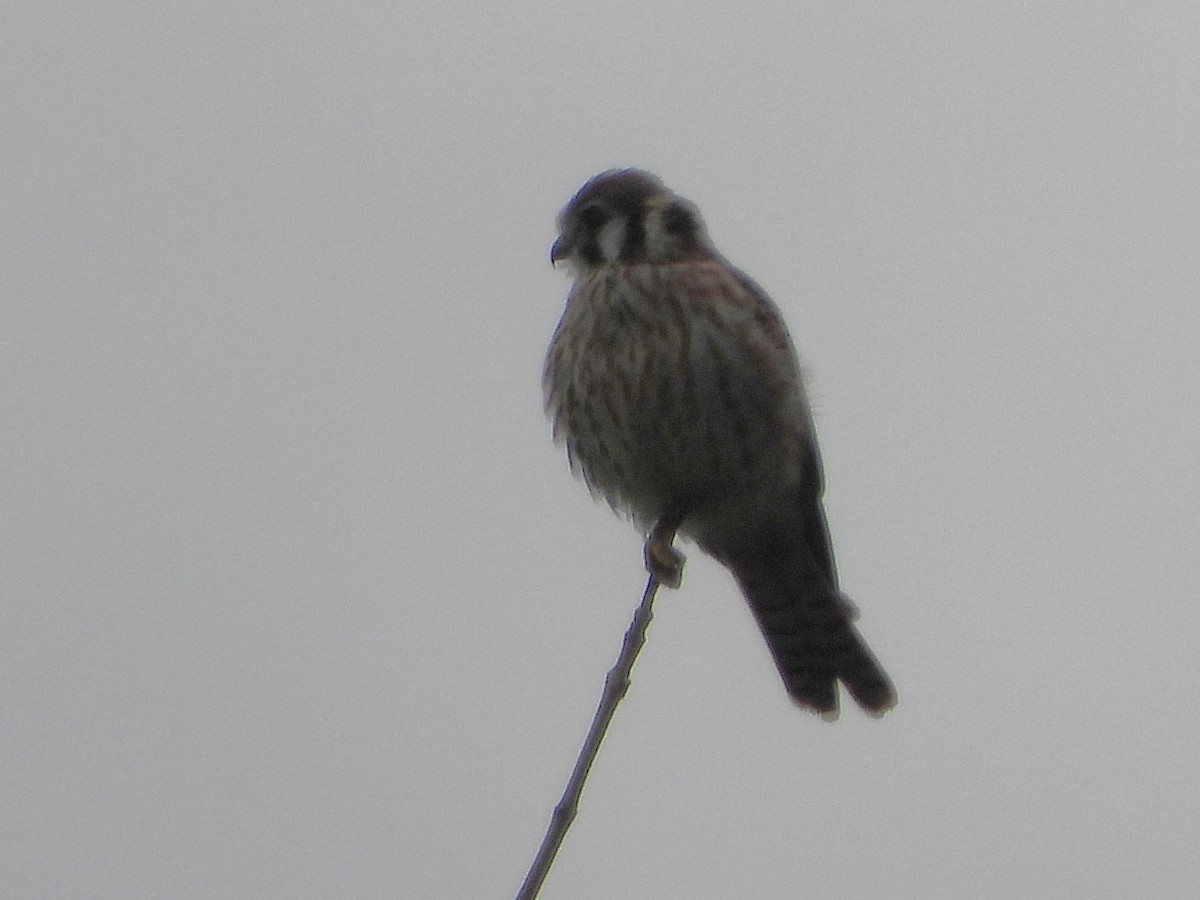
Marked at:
<point>626,216</point>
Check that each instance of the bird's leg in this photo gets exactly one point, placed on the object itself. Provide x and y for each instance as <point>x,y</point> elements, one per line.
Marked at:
<point>663,561</point>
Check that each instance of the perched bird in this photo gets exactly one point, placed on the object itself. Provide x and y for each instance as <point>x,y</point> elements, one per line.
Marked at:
<point>673,383</point>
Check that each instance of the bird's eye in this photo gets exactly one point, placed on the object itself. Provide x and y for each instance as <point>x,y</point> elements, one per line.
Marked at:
<point>678,220</point>
<point>592,217</point>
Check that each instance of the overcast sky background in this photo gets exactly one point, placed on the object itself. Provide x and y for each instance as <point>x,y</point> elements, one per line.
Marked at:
<point>300,601</point>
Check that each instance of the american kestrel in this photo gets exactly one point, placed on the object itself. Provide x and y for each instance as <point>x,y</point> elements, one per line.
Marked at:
<point>673,383</point>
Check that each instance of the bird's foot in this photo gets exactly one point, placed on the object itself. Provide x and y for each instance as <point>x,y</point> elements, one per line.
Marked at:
<point>663,561</point>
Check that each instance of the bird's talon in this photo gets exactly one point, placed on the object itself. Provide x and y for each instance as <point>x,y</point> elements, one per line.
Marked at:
<point>665,563</point>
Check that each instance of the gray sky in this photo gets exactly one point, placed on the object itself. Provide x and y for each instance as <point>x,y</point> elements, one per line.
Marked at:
<point>299,600</point>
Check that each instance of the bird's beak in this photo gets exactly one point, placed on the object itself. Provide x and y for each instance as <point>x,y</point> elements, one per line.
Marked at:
<point>560,249</point>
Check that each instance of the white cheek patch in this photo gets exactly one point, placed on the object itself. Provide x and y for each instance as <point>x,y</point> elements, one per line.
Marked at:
<point>658,241</point>
<point>611,239</point>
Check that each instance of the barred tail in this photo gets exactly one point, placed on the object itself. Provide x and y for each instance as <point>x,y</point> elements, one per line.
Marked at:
<point>809,628</point>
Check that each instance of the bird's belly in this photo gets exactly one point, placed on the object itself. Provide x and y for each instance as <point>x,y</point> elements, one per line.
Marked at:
<point>665,399</point>
<point>674,436</point>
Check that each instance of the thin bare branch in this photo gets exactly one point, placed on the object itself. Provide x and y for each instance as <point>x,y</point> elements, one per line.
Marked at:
<point>616,683</point>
